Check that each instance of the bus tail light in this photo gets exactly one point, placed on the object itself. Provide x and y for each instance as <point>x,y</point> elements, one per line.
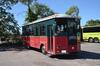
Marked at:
<point>73,48</point>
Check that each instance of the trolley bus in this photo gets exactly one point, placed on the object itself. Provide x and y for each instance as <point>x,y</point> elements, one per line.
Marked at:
<point>56,34</point>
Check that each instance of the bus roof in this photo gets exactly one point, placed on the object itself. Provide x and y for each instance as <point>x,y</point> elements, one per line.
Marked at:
<point>90,26</point>
<point>51,17</point>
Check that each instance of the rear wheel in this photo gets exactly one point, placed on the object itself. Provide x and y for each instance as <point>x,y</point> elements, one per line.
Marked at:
<point>96,40</point>
<point>90,40</point>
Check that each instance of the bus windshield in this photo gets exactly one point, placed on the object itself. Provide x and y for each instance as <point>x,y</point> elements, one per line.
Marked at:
<point>72,28</point>
<point>66,27</point>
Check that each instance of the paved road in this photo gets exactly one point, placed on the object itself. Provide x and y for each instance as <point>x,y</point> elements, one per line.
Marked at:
<point>12,56</point>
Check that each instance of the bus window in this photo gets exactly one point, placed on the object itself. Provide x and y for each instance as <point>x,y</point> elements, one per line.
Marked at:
<point>23,30</point>
<point>42,30</point>
<point>61,29</point>
<point>30,30</point>
<point>72,28</point>
<point>37,32</point>
<point>27,31</point>
<point>91,29</point>
<point>33,30</point>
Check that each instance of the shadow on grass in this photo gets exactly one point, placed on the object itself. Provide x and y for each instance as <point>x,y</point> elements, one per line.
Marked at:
<point>80,55</point>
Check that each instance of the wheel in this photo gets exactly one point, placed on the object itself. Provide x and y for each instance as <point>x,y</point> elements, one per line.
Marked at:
<point>90,40</point>
<point>96,40</point>
<point>43,50</point>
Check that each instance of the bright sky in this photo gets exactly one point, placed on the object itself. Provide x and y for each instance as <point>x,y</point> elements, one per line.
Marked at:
<point>89,9</point>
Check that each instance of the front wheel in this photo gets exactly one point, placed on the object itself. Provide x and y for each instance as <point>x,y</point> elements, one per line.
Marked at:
<point>90,40</point>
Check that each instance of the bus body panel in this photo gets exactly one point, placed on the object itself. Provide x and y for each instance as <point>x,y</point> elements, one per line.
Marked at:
<point>59,44</point>
<point>26,40</point>
<point>35,41</point>
<point>86,36</point>
<point>62,43</point>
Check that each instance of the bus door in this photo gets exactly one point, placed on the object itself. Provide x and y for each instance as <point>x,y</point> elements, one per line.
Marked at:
<point>50,37</point>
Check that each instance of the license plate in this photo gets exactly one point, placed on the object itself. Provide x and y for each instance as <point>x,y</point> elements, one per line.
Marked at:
<point>63,51</point>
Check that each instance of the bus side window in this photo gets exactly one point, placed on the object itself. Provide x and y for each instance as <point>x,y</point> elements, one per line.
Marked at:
<point>36,31</point>
<point>42,30</point>
<point>27,31</point>
<point>24,30</point>
<point>33,30</point>
<point>30,30</point>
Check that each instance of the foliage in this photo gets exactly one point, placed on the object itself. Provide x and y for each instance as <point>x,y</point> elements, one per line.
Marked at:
<point>93,22</point>
<point>38,11</point>
<point>8,24</point>
<point>6,4</point>
<point>30,16</point>
<point>74,11</point>
<point>27,2</point>
<point>41,10</point>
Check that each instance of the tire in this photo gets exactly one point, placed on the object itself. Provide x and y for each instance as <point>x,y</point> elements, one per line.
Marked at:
<point>90,40</point>
<point>96,40</point>
<point>43,50</point>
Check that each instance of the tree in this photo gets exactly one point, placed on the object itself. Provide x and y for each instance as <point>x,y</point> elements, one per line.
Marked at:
<point>92,22</point>
<point>6,4</point>
<point>38,11</point>
<point>30,16</point>
<point>74,11</point>
<point>27,2</point>
<point>29,12</point>
<point>8,24</point>
<point>41,10</point>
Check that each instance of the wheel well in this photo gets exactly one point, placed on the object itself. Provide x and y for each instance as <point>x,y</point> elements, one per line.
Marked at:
<point>41,46</point>
<point>95,37</point>
<point>90,38</point>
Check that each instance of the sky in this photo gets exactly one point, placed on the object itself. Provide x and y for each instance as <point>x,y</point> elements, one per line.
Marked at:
<point>88,9</point>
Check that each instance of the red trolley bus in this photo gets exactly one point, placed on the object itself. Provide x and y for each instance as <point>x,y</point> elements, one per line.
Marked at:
<point>56,34</point>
